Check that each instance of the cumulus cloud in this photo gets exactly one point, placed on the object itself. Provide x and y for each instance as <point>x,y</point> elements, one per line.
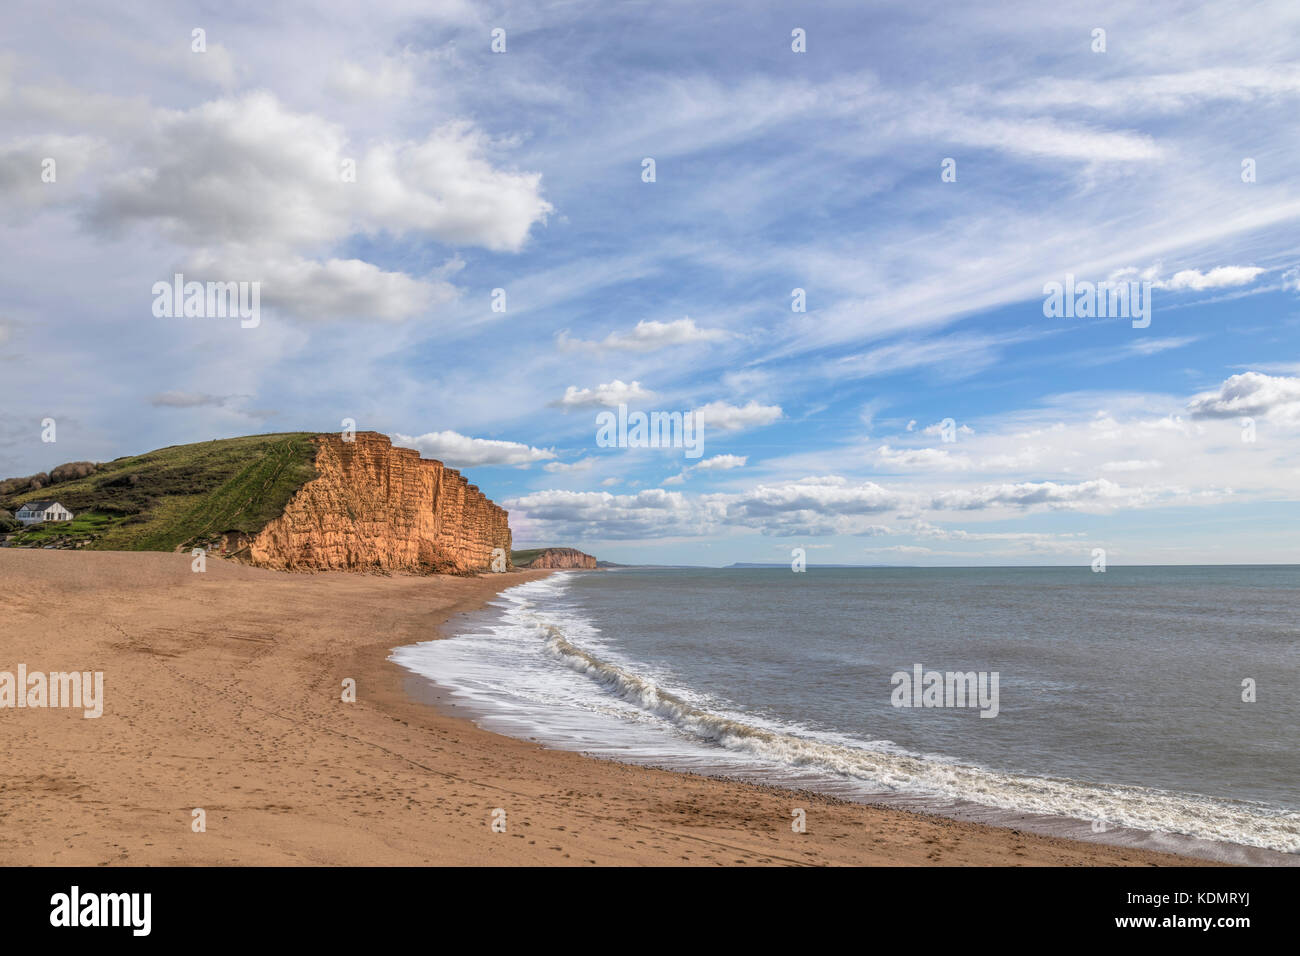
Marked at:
<point>461,451</point>
<point>609,395</point>
<point>649,335</point>
<point>734,418</point>
<point>1097,494</point>
<point>651,513</point>
<point>258,191</point>
<point>1253,394</point>
<point>27,165</point>
<point>834,505</point>
<point>1218,278</point>
<point>249,170</point>
<point>722,462</point>
<point>1038,540</point>
<point>311,290</point>
<point>1194,280</point>
<point>812,506</point>
<point>921,459</point>
<point>716,463</point>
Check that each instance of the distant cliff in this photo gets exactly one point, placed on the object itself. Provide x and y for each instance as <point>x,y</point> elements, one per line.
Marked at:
<point>376,506</point>
<point>553,558</point>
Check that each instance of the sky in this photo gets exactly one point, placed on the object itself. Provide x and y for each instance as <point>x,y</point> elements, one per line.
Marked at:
<point>464,248</point>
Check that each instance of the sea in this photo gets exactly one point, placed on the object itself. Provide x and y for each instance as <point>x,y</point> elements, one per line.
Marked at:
<point>1143,706</point>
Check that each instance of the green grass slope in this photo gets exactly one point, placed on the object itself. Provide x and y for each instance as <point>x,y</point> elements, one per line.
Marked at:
<point>521,559</point>
<point>176,496</point>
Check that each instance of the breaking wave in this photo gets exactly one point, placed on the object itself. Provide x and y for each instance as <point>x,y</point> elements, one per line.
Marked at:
<point>1137,807</point>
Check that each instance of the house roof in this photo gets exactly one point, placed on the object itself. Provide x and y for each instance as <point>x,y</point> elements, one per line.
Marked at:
<point>37,505</point>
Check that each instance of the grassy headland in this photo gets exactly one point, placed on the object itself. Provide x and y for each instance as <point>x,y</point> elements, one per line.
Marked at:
<point>174,497</point>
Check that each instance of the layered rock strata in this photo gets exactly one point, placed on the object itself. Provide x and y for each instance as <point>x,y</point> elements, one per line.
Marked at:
<point>373,506</point>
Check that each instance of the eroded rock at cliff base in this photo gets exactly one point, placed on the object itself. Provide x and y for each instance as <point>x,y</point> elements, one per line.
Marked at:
<point>373,506</point>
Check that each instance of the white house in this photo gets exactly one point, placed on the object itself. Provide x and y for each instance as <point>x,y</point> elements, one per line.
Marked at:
<point>34,512</point>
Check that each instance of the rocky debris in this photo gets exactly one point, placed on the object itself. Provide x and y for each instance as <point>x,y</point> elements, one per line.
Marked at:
<point>373,506</point>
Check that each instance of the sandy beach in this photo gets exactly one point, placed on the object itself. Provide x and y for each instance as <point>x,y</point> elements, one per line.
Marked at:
<point>223,691</point>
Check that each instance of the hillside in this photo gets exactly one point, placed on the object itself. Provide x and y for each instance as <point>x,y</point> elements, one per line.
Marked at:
<point>174,497</point>
<point>293,501</point>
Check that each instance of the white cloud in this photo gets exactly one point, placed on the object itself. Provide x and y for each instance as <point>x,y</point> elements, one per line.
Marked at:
<point>461,451</point>
<point>722,462</point>
<point>649,335</point>
<point>608,395</point>
<point>1152,346</point>
<point>392,78</point>
<point>1168,92</point>
<point>311,290</point>
<point>734,418</point>
<point>248,170</point>
<point>1097,494</point>
<point>561,467</point>
<point>1132,464</point>
<point>1250,393</point>
<point>716,463</point>
<point>921,458</point>
<point>1195,280</point>
<point>938,429</point>
<point>1217,278</point>
<point>651,513</point>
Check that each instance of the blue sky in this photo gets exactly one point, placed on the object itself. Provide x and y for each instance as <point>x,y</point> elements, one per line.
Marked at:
<point>774,170</point>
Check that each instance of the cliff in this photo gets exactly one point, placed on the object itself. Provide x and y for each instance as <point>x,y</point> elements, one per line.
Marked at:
<point>554,558</point>
<point>376,506</point>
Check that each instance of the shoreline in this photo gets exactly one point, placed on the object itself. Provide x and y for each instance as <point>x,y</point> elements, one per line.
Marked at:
<point>222,694</point>
<point>428,689</point>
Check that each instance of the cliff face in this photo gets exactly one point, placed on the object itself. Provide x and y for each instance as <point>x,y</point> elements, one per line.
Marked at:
<point>562,558</point>
<point>376,506</point>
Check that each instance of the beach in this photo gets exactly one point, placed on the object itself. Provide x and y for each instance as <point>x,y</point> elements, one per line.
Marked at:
<point>223,693</point>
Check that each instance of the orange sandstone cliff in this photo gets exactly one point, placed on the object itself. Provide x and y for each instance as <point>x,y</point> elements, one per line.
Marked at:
<point>373,506</point>
<point>562,558</point>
